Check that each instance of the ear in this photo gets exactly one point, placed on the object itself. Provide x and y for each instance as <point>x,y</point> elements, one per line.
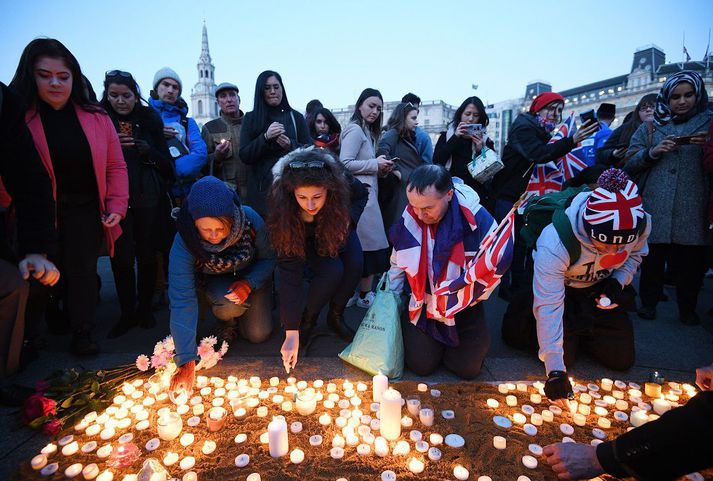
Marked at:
<point>449,195</point>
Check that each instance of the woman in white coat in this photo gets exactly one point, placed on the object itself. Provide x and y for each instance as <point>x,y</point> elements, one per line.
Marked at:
<point>358,141</point>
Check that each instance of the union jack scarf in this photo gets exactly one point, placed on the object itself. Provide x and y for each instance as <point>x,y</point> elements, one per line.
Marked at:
<point>452,265</point>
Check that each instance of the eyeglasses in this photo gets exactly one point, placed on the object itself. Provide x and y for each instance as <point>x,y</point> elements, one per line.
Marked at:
<point>117,73</point>
<point>646,107</point>
<point>310,164</point>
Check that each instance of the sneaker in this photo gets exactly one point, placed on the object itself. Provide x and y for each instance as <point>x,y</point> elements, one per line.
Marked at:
<point>366,301</point>
<point>648,313</point>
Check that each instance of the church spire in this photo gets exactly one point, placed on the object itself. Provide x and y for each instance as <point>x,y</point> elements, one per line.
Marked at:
<point>203,102</point>
<point>205,52</point>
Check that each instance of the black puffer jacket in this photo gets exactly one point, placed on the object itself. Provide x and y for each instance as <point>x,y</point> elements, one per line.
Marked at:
<point>527,145</point>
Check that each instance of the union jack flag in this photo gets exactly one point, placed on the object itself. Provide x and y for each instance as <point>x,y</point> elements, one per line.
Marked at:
<point>622,208</point>
<point>545,178</point>
<point>482,274</point>
<point>575,160</point>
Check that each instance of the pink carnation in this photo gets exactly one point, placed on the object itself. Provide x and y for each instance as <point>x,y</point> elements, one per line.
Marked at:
<point>205,350</point>
<point>223,349</point>
<point>143,363</point>
<point>159,361</point>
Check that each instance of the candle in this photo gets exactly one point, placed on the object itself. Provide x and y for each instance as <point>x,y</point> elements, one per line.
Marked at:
<point>198,409</point>
<point>38,462</point>
<point>604,423</point>
<point>672,397</point>
<point>338,441</point>
<point>529,429</point>
<point>331,387</point>
<point>535,398</point>
<point>325,419</point>
<point>460,473</point>
<point>90,471</point>
<point>107,475</point>
<point>50,469</point>
<point>566,429</point>
<point>536,419</point>
<point>521,386</point>
<point>606,384</point>
<point>519,418</point>
<point>277,434</point>
<point>413,403</point>
<point>49,450</point>
<point>652,389</point>
<point>529,462</point>
<point>548,416</point>
<point>622,405</point>
<point>297,456</point>
<point>503,388</point>
<point>422,387</point>
<point>421,446</point>
<point>661,406</point>
<point>187,463</point>
<point>381,447</point>
<point>600,411</point>
<point>579,419</point>
<point>402,448</point>
<point>242,460</point>
<point>416,466</point>
<point>415,435</point>
<point>336,453</point>
<point>390,414</point>
<point>170,459</point>
<point>584,409</point>
<point>70,448</point>
<point>169,426</point>
<point>104,451</point>
<point>434,454</point>
<point>425,415</point>
<point>585,398</point>
<point>527,409</point>
<point>216,418</point>
<point>638,418</point>
<point>499,442</point>
<point>492,403</point>
<point>511,400</point>
<point>363,449</point>
<point>187,439</point>
<point>406,422</point>
<point>306,402</point>
<point>73,470</point>
<point>315,440</point>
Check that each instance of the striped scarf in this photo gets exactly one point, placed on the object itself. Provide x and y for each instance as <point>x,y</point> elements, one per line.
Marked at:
<point>662,111</point>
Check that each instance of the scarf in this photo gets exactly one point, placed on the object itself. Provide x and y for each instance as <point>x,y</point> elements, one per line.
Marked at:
<point>236,250</point>
<point>434,256</point>
<point>662,111</point>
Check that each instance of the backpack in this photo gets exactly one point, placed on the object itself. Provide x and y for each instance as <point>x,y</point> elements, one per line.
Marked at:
<point>548,209</point>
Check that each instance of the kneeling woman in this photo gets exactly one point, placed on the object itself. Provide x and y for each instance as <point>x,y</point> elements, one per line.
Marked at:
<point>315,204</point>
<point>223,247</point>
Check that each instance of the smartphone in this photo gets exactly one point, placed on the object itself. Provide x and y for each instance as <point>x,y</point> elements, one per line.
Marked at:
<point>588,117</point>
<point>126,128</point>
<point>474,129</point>
<point>684,139</point>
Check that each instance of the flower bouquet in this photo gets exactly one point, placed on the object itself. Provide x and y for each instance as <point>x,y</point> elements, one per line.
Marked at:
<point>68,394</point>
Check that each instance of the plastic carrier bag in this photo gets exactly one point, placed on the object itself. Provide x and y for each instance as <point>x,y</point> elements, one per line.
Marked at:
<point>378,345</point>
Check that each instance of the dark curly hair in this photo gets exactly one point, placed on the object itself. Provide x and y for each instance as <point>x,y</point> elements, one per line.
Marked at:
<point>332,222</point>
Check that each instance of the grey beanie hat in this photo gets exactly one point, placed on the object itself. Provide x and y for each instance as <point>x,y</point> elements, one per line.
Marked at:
<point>226,86</point>
<point>166,72</point>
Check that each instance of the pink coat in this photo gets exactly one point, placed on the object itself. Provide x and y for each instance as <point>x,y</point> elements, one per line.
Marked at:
<point>109,166</point>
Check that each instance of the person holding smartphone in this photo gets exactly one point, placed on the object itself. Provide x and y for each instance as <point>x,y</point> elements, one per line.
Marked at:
<point>675,191</point>
<point>463,139</point>
<point>150,168</point>
<point>614,151</point>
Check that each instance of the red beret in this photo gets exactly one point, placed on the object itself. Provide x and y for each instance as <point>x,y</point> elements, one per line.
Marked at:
<point>543,100</point>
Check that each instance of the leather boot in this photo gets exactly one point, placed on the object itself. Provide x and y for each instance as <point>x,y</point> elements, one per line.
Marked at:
<point>335,321</point>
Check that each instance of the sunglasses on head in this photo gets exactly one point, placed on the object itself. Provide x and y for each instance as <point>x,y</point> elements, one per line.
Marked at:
<point>310,164</point>
<point>117,73</point>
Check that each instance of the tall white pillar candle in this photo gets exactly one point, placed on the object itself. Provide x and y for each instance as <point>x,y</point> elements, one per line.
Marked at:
<point>380,383</point>
<point>277,435</point>
<point>390,414</point>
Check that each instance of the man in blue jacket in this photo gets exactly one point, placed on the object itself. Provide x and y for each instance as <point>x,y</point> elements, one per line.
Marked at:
<point>182,133</point>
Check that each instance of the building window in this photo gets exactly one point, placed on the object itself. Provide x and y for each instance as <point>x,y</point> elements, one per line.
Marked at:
<point>200,73</point>
<point>200,107</point>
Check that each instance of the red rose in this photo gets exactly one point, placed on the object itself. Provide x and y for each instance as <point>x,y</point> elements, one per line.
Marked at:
<point>52,427</point>
<point>37,406</point>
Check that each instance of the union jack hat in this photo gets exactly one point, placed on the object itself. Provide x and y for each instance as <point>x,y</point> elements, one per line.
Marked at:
<point>614,210</point>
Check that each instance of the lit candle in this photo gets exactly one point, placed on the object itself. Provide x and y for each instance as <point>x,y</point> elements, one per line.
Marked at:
<point>536,419</point>
<point>70,448</point>
<point>600,411</point>
<point>363,450</point>
<point>315,440</point>
<point>381,447</point>
<point>336,453</point>
<point>338,441</point>
<point>529,462</point>
<point>277,433</point>
<point>503,388</point>
<point>390,414</point>
<point>104,451</point>
<point>425,415</point>
<point>535,398</point>
<point>306,402</point>
<point>604,423</point>
<point>499,442</point>
<point>325,419</point>
<point>606,384</point>
<point>49,450</point>
<point>73,470</point>
<point>519,418</point>
<point>107,475</point>
<point>422,387</point>
<point>90,471</point>
<point>187,439</point>
<point>661,406</point>
<point>297,456</point>
<point>548,416</point>
<point>38,462</point>
<point>584,409</point>
<point>107,433</point>
<point>585,398</point>
<point>638,418</point>
<point>216,418</point>
<point>416,466</point>
<point>262,411</point>
<point>406,422</point>
<point>402,448</point>
<point>170,459</point>
<point>511,400</point>
<point>492,403</point>
<point>169,426</point>
<point>187,463</point>
<point>460,473</point>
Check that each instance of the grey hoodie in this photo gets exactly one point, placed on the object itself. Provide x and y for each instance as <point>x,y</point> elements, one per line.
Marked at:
<point>553,273</point>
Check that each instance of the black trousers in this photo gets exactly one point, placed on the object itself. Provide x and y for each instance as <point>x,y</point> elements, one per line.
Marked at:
<point>606,334</point>
<point>13,298</point>
<point>334,280</point>
<point>687,265</point>
<point>136,244</point>
<point>423,354</point>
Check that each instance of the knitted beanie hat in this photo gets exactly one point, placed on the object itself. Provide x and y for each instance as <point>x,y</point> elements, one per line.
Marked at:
<point>542,100</point>
<point>614,211</point>
<point>166,72</point>
<point>210,197</point>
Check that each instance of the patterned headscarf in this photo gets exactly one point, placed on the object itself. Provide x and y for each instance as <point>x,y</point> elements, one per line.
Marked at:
<point>662,112</point>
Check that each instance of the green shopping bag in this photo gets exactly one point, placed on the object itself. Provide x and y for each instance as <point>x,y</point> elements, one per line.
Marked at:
<point>378,346</point>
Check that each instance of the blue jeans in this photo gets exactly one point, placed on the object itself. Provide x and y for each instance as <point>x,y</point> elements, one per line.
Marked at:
<point>255,314</point>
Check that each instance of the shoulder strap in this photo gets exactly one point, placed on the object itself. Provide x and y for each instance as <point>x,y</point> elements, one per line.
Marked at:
<point>650,132</point>
<point>566,235</point>
<point>184,123</point>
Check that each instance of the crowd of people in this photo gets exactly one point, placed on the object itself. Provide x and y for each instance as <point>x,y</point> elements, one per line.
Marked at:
<point>261,206</point>
<point>255,206</point>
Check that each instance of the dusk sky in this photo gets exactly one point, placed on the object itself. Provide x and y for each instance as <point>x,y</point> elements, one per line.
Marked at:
<point>332,50</point>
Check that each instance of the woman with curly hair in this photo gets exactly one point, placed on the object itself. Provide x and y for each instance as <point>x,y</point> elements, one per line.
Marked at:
<point>314,207</point>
